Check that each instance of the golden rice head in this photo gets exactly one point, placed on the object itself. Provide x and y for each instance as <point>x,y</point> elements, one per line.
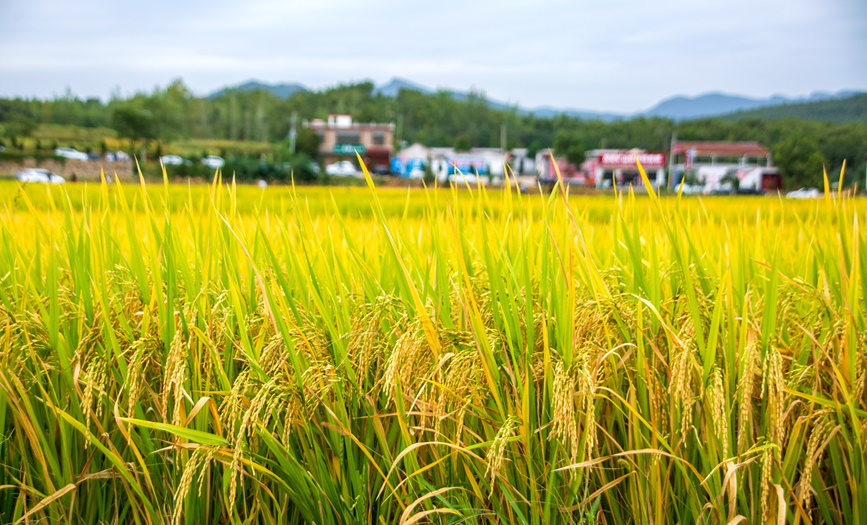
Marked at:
<point>184,487</point>
<point>683,379</point>
<point>96,383</point>
<point>409,365</point>
<point>173,379</point>
<point>319,381</point>
<point>749,358</point>
<point>142,359</point>
<point>564,423</point>
<point>497,453</point>
<point>463,378</point>
<point>774,386</point>
<point>820,429</point>
<point>767,466</point>
<point>717,400</point>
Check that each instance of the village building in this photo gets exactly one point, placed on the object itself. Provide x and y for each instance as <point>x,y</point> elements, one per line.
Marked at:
<point>444,163</point>
<point>606,167</point>
<point>341,137</point>
<point>603,167</point>
<point>713,164</point>
<point>548,165</point>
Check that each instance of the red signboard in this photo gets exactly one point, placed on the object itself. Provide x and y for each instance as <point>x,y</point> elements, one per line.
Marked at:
<point>626,159</point>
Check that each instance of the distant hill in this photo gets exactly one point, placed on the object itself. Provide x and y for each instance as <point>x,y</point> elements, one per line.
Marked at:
<point>549,112</point>
<point>842,106</point>
<point>396,84</point>
<point>850,109</point>
<point>283,90</point>
<point>714,104</point>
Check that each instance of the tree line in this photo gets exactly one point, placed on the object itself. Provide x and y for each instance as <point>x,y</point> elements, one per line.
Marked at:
<point>800,147</point>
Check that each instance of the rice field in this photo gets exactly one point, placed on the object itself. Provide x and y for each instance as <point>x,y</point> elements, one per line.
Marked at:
<point>231,355</point>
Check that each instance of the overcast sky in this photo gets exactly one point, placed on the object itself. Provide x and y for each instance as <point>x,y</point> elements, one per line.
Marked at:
<point>618,55</point>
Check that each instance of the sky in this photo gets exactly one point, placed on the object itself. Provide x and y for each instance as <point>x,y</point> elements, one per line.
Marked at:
<point>617,55</point>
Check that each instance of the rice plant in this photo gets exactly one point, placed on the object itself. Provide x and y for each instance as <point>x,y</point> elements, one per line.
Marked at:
<point>215,354</point>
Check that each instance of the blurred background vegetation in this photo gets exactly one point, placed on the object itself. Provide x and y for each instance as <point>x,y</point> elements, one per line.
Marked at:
<point>246,125</point>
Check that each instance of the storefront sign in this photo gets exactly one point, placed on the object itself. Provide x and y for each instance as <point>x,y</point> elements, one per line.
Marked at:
<point>349,149</point>
<point>648,160</point>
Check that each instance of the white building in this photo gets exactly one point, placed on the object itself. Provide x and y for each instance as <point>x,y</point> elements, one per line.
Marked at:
<point>445,162</point>
<point>712,162</point>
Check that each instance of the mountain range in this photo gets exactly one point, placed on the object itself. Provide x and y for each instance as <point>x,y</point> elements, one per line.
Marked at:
<point>680,107</point>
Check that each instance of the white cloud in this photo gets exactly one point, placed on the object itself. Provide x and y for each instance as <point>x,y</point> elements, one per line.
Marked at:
<point>620,55</point>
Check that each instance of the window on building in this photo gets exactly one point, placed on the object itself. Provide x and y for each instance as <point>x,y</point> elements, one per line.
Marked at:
<point>378,138</point>
<point>348,137</point>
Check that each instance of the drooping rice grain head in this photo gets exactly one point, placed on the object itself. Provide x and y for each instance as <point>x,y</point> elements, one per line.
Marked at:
<point>464,386</point>
<point>184,485</point>
<point>683,379</point>
<point>496,456</point>
<point>95,382</point>
<point>409,364</point>
<point>749,359</point>
<point>142,354</point>
<point>174,375</point>
<point>819,430</point>
<point>765,483</point>
<point>774,386</point>
<point>564,422</point>
<point>717,399</point>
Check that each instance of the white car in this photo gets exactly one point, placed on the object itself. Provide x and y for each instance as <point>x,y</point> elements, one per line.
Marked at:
<point>39,175</point>
<point>804,193</point>
<point>174,160</point>
<point>342,168</point>
<point>213,161</point>
<point>690,189</point>
<point>70,153</point>
<point>468,178</point>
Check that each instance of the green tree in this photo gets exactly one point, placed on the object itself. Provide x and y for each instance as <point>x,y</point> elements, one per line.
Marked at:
<point>135,124</point>
<point>307,143</point>
<point>462,143</point>
<point>800,162</point>
<point>573,144</point>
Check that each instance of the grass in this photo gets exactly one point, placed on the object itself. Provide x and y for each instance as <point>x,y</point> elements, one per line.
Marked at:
<point>92,139</point>
<point>221,354</point>
<point>195,147</point>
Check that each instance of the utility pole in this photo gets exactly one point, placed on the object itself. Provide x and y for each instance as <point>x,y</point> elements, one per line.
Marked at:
<point>671,159</point>
<point>293,132</point>
<point>503,137</point>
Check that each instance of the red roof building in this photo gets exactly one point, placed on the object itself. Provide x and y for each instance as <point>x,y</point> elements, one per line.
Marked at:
<point>712,163</point>
<point>720,150</point>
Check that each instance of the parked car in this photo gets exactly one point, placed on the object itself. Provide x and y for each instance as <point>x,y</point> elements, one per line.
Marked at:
<point>690,189</point>
<point>174,160</point>
<point>343,168</point>
<point>726,188</point>
<point>468,178</point>
<point>213,161</point>
<point>804,193</point>
<point>39,175</point>
<point>71,153</point>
